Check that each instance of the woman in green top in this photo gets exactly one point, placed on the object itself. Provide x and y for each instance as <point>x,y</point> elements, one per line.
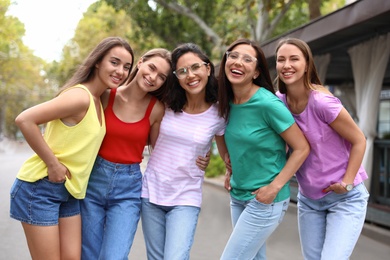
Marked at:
<point>259,126</point>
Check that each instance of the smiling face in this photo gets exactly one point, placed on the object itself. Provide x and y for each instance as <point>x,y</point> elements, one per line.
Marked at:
<point>290,64</point>
<point>194,83</point>
<point>240,66</point>
<point>114,67</point>
<point>152,73</point>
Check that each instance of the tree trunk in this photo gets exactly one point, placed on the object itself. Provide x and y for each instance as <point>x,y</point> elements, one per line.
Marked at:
<point>314,9</point>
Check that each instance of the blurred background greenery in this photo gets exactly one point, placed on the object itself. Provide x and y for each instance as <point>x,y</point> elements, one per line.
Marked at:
<point>26,80</point>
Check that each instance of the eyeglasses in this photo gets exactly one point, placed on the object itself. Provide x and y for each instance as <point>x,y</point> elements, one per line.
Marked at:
<point>235,56</point>
<point>183,72</point>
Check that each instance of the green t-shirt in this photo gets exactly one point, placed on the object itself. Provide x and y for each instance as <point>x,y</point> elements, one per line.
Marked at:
<point>257,152</point>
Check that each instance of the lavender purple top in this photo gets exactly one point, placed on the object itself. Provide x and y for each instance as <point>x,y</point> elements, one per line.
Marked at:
<point>329,152</point>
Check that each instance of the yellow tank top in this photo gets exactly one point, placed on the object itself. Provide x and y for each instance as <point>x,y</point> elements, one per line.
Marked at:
<point>75,146</point>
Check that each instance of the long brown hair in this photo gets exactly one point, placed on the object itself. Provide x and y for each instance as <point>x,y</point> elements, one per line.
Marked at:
<point>86,70</point>
<point>162,92</point>
<point>311,76</point>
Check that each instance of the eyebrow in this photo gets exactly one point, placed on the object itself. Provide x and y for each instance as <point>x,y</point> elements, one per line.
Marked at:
<point>291,56</point>
<point>118,59</point>
<point>155,67</point>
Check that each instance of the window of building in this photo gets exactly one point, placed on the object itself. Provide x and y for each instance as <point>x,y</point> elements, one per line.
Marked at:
<point>384,115</point>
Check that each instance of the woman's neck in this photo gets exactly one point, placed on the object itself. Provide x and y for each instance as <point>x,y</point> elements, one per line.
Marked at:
<point>196,104</point>
<point>243,93</point>
<point>132,91</point>
<point>297,98</point>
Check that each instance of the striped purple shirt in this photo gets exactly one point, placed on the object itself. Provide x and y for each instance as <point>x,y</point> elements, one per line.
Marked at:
<point>172,177</point>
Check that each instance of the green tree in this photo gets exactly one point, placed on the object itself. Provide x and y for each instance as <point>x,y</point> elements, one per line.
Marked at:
<point>214,24</point>
<point>169,28</point>
<point>99,21</point>
<point>21,80</point>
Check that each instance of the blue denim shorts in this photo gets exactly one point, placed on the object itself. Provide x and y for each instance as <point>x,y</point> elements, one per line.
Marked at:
<point>42,202</point>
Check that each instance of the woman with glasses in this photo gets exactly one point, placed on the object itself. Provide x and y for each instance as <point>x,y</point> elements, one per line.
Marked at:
<point>172,183</point>
<point>258,128</point>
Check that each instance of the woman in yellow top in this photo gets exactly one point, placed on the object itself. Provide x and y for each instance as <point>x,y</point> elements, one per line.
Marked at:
<point>45,194</point>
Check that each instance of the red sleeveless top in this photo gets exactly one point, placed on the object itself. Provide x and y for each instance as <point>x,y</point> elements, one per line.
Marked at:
<point>124,142</point>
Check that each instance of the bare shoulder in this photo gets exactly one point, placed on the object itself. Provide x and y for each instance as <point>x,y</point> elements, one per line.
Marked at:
<point>75,97</point>
<point>158,111</point>
<point>159,106</point>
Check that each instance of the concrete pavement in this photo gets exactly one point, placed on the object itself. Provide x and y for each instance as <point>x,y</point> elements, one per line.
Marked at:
<point>373,243</point>
<point>213,227</point>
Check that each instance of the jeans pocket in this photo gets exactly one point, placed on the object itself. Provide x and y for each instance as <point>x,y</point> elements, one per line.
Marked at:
<point>15,188</point>
<point>265,210</point>
<point>46,179</point>
<point>282,214</point>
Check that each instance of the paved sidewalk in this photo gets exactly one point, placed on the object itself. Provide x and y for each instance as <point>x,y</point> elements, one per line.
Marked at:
<point>375,232</point>
<point>213,229</point>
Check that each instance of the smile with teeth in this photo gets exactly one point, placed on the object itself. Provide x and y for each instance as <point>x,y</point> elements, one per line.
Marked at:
<point>116,80</point>
<point>193,83</point>
<point>287,74</point>
<point>148,82</point>
<point>237,72</point>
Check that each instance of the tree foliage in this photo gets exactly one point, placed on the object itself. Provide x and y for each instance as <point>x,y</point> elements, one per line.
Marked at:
<point>26,80</point>
<point>99,21</point>
<point>215,24</point>
<point>21,81</point>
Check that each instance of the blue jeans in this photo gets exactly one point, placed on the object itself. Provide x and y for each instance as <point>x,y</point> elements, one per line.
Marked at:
<point>253,222</point>
<point>168,230</point>
<point>111,210</point>
<point>330,227</point>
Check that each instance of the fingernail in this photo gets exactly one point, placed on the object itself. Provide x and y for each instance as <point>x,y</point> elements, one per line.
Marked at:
<point>324,190</point>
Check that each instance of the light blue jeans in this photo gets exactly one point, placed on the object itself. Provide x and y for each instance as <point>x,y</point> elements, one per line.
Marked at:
<point>111,210</point>
<point>330,227</point>
<point>253,222</point>
<point>168,230</point>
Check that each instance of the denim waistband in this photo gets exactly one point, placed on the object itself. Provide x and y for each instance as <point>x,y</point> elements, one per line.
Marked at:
<point>133,166</point>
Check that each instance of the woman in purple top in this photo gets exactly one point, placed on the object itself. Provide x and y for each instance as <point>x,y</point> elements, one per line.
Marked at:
<point>332,198</point>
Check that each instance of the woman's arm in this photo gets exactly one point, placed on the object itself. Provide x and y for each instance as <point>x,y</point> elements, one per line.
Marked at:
<point>70,107</point>
<point>347,128</point>
<point>155,118</point>
<point>297,141</point>
<point>203,162</point>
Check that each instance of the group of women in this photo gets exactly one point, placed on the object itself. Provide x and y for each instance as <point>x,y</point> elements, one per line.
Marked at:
<point>82,193</point>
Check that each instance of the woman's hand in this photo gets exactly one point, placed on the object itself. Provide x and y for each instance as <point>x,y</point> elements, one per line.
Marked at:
<point>58,173</point>
<point>203,162</point>
<point>336,188</point>
<point>266,194</point>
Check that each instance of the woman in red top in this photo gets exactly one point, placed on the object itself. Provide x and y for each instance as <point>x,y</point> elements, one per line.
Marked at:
<point>111,208</point>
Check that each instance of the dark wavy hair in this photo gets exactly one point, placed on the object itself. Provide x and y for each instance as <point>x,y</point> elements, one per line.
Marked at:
<point>177,95</point>
<point>311,75</point>
<point>225,91</point>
